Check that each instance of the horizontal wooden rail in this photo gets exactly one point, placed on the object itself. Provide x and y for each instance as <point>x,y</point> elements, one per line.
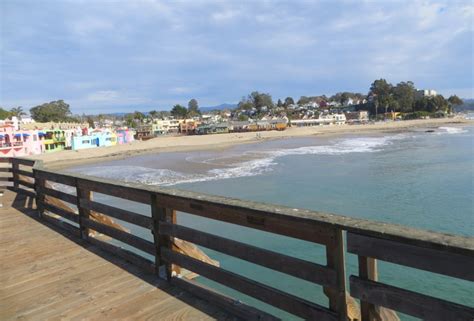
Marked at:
<point>130,239</point>
<point>279,262</point>
<point>27,184</point>
<point>59,195</point>
<point>262,292</point>
<point>6,179</point>
<point>124,215</point>
<point>6,169</point>
<point>55,177</point>
<point>117,190</point>
<point>61,212</point>
<point>442,262</point>
<point>238,308</point>
<point>23,161</point>
<point>23,172</point>
<point>412,303</point>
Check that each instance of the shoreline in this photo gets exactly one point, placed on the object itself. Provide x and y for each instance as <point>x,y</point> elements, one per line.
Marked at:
<point>69,158</point>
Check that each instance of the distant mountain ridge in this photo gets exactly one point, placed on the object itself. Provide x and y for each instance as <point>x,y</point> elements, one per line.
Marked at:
<point>218,107</point>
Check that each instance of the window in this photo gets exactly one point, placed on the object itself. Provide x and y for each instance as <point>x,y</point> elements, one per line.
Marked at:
<point>86,141</point>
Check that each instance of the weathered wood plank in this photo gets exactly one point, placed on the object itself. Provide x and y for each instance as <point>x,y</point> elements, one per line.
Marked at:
<point>6,169</point>
<point>84,213</point>
<point>453,243</point>
<point>335,260</point>
<point>125,237</point>
<point>22,172</point>
<point>116,190</point>
<point>5,159</point>
<point>412,303</point>
<point>25,183</point>
<point>59,195</point>
<point>61,212</point>
<point>293,266</point>
<point>22,161</point>
<point>61,224</point>
<point>124,215</point>
<point>367,271</point>
<point>442,262</point>
<point>264,221</point>
<point>6,179</point>
<point>235,307</point>
<point>131,257</point>
<point>277,298</point>
<point>56,177</point>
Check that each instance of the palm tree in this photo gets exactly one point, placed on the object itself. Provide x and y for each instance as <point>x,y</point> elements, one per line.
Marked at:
<point>17,111</point>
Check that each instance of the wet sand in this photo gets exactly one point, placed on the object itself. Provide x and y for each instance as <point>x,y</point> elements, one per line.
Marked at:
<point>224,141</point>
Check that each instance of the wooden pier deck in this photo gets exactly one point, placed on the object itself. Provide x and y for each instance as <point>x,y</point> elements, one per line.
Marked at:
<point>46,275</point>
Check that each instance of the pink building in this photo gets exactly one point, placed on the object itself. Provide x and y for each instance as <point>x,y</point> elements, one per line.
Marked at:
<point>19,143</point>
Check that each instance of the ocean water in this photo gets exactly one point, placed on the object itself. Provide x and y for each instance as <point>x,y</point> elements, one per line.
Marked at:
<point>416,178</point>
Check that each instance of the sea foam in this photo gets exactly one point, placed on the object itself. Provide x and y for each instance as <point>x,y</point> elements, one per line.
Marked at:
<point>264,162</point>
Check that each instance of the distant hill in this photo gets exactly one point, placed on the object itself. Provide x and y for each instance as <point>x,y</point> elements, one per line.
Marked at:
<point>467,106</point>
<point>218,107</point>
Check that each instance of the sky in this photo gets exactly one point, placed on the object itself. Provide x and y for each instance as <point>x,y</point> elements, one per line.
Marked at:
<point>119,56</point>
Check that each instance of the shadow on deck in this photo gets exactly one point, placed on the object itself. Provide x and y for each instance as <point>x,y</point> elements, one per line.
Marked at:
<point>49,274</point>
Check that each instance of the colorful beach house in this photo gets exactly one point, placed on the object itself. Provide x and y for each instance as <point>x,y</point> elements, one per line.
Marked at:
<point>18,143</point>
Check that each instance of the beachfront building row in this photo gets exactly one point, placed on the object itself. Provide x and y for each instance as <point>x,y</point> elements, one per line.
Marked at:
<point>16,142</point>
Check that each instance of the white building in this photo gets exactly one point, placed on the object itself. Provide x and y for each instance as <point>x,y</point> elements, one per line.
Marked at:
<point>426,93</point>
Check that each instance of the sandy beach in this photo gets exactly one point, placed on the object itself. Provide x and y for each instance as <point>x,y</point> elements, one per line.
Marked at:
<point>221,141</point>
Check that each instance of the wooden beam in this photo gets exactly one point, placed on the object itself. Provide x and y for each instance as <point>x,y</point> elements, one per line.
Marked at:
<point>116,190</point>
<point>124,237</point>
<point>22,161</point>
<point>84,214</point>
<point>235,307</point>
<point>279,262</point>
<point>335,260</point>
<point>272,296</point>
<point>442,262</point>
<point>22,172</point>
<point>60,195</point>
<point>56,177</point>
<point>125,254</point>
<point>264,221</point>
<point>124,215</point>
<point>367,271</point>
<point>61,212</point>
<point>408,302</point>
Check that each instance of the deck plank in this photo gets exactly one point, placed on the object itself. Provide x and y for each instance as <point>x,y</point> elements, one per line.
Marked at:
<point>47,275</point>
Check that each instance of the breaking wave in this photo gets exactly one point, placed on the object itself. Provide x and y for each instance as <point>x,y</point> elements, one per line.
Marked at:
<point>264,162</point>
<point>452,130</point>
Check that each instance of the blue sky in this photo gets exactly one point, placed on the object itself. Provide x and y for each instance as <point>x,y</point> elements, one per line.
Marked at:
<point>111,56</point>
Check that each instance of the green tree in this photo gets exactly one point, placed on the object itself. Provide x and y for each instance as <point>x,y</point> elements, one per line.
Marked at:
<point>153,114</point>
<point>193,108</point>
<point>404,94</point>
<point>279,103</point>
<point>4,114</point>
<point>179,111</point>
<point>55,111</point>
<point>138,116</point>
<point>303,100</point>
<point>289,101</point>
<point>455,100</point>
<point>380,90</point>
<point>90,121</point>
<point>256,100</point>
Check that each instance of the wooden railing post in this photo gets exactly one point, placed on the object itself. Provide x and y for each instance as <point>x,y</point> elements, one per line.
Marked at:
<point>40,196</point>
<point>16,176</point>
<point>335,260</point>
<point>161,214</point>
<point>83,213</point>
<point>368,271</point>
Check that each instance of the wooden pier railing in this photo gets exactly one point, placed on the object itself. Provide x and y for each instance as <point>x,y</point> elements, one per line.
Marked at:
<point>440,253</point>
